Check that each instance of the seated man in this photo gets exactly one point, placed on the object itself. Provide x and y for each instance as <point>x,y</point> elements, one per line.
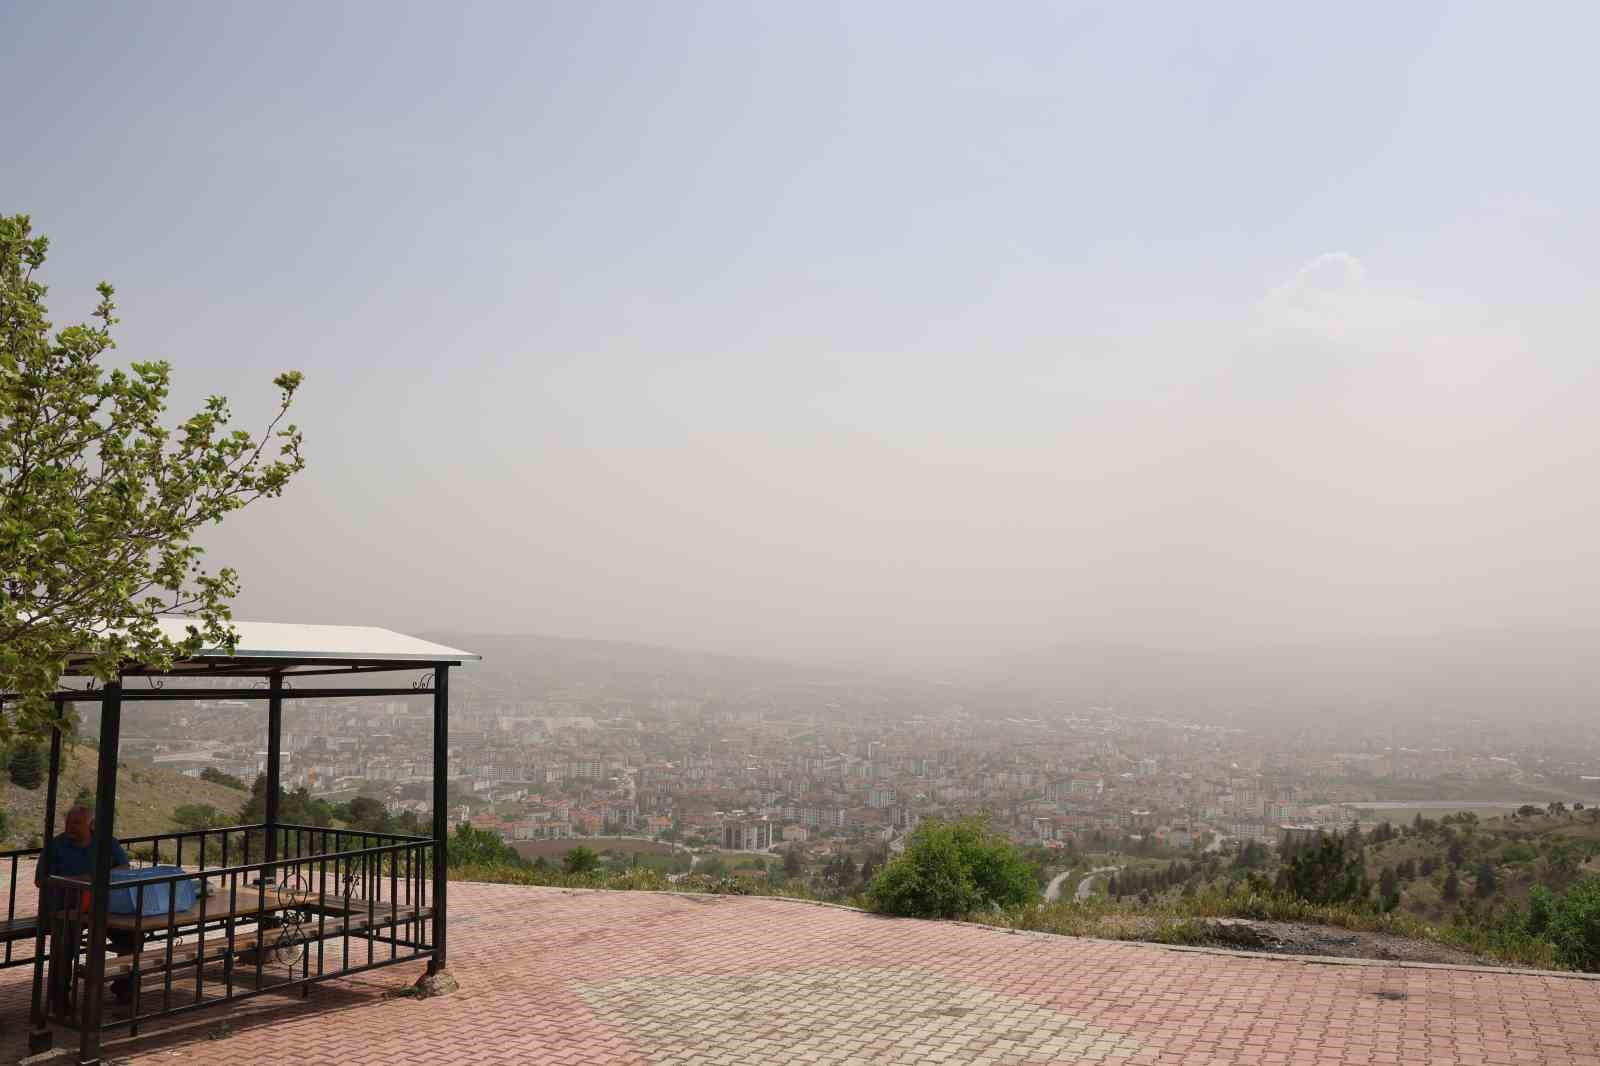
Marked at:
<point>72,855</point>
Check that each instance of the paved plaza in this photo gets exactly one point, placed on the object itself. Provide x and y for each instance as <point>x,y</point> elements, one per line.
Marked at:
<point>591,978</point>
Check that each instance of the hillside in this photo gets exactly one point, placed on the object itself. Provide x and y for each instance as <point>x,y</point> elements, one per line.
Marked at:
<point>1497,889</point>
<point>146,797</point>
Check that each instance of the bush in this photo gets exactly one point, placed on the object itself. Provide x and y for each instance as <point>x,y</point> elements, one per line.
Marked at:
<point>581,860</point>
<point>1540,906</point>
<point>26,765</point>
<point>1574,925</point>
<point>950,869</point>
<point>1326,872</point>
<point>217,777</point>
<point>192,816</point>
<point>476,847</point>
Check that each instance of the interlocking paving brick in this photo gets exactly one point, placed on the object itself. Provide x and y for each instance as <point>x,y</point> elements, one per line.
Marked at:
<point>558,977</point>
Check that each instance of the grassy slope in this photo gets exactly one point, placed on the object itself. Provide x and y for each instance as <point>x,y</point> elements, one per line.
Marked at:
<point>146,797</point>
<point>1490,836</point>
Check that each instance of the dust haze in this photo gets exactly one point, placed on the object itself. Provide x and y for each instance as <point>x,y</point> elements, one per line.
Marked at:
<point>1234,360</point>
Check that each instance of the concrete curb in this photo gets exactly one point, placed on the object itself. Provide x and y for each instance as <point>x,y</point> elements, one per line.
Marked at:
<point>1273,956</point>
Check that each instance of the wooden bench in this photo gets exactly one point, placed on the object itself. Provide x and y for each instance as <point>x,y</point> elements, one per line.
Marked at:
<point>14,931</point>
<point>19,929</point>
<point>153,954</point>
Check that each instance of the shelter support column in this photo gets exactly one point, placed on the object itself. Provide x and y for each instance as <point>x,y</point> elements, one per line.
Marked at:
<point>441,800</point>
<point>274,771</point>
<point>105,834</point>
<point>39,1037</point>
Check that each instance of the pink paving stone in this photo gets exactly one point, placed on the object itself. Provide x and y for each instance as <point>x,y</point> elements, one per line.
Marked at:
<point>551,976</point>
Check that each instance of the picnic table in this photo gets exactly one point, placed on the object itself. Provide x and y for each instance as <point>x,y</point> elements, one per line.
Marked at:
<point>240,925</point>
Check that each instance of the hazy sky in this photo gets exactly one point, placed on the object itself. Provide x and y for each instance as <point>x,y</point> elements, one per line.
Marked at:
<point>893,326</point>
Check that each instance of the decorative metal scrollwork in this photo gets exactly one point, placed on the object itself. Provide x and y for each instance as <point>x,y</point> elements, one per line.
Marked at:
<point>355,884</point>
<point>425,681</point>
<point>156,683</point>
<point>290,938</point>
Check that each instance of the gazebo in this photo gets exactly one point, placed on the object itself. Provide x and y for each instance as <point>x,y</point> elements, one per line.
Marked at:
<point>250,908</point>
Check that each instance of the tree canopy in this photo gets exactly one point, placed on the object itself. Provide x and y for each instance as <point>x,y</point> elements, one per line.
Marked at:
<point>952,868</point>
<point>100,500</point>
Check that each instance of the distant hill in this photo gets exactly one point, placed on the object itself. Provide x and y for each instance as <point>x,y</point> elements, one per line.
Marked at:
<point>146,797</point>
<point>538,667</point>
<point>1495,675</point>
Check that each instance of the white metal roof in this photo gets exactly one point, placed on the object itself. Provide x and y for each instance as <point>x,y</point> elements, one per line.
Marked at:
<point>289,640</point>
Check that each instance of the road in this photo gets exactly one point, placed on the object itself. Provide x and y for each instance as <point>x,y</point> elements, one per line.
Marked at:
<point>1086,886</point>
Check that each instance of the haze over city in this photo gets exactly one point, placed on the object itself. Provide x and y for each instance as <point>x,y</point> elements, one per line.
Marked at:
<point>799,533</point>
<point>909,335</point>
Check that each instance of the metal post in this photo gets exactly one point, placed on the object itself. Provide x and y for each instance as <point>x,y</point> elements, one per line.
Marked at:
<point>274,760</point>
<point>441,798</point>
<point>105,807</point>
<point>39,1036</point>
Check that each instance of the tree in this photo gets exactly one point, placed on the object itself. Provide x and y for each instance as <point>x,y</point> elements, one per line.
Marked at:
<point>581,860</point>
<point>1252,856</point>
<point>1559,864</point>
<point>1329,871</point>
<point>368,814</point>
<point>792,866</point>
<point>1541,905</point>
<point>1484,880</point>
<point>949,869</point>
<point>192,816</point>
<point>478,847</point>
<point>1389,889</point>
<point>840,872</point>
<point>299,807</point>
<point>26,765</point>
<point>1452,886</point>
<point>100,501</point>
<point>217,777</point>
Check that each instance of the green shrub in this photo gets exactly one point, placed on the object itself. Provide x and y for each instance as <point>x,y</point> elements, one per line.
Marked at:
<point>1540,906</point>
<point>581,860</point>
<point>217,777</point>
<point>950,869</point>
<point>1329,871</point>
<point>1574,925</point>
<point>26,765</point>
<point>477,847</point>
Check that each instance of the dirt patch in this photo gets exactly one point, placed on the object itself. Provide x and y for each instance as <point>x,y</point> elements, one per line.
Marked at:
<point>1299,938</point>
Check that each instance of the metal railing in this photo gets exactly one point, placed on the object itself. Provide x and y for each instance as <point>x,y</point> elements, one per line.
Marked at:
<point>18,928</point>
<point>316,911</point>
